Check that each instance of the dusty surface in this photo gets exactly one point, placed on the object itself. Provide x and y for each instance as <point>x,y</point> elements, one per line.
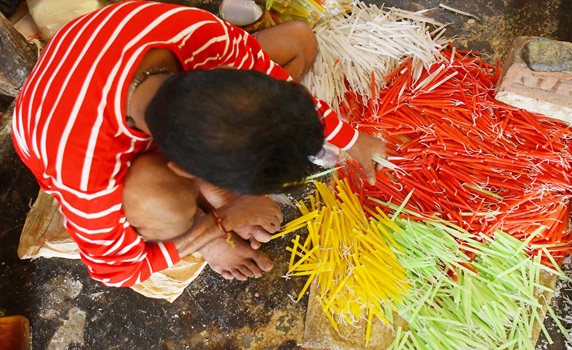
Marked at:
<point>68,310</point>
<point>562,304</point>
<point>498,21</point>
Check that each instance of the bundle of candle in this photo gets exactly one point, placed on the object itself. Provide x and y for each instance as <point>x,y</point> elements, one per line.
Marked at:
<point>357,272</point>
<point>455,290</point>
<point>309,11</point>
<point>370,41</point>
<point>492,166</point>
<point>471,160</point>
<point>479,189</point>
<point>492,302</point>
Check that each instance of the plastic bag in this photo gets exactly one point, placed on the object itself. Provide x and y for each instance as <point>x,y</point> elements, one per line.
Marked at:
<point>240,12</point>
<point>309,11</point>
<point>51,15</point>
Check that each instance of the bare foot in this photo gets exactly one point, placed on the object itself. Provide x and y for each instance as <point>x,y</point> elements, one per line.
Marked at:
<point>240,262</point>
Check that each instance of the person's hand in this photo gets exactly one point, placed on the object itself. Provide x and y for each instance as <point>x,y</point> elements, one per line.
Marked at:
<point>253,218</point>
<point>363,150</point>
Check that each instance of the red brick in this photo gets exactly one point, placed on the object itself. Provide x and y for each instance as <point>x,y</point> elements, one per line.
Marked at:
<point>548,93</point>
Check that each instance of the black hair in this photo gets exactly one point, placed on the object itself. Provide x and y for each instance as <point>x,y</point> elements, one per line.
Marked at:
<point>240,130</point>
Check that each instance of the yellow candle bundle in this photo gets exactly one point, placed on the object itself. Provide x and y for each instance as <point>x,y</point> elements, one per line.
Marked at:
<point>358,276</point>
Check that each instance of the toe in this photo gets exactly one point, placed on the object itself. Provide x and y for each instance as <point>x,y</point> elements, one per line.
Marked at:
<point>254,244</point>
<point>245,271</point>
<point>264,262</point>
<point>239,275</point>
<point>256,271</point>
<point>227,275</point>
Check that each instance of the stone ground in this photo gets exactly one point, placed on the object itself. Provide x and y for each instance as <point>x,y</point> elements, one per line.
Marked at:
<point>68,310</point>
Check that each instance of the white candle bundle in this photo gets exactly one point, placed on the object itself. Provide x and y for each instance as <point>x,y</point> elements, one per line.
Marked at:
<point>370,42</point>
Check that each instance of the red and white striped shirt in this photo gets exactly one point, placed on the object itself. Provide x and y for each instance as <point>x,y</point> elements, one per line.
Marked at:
<point>69,123</point>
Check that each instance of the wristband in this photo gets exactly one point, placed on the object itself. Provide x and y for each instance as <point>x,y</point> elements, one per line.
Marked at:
<point>226,233</point>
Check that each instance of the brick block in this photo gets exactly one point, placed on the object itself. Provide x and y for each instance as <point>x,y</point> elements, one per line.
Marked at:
<point>548,93</point>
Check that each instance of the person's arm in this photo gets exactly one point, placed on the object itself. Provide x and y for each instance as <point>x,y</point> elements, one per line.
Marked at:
<point>337,132</point>
<point>203,231</point>
<point>113,251</point>
<point>116,254</point>
<point>218,43</point>
<point>250,217</point>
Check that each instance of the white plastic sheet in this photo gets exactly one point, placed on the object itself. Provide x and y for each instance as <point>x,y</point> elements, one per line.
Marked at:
<point>51,15</point>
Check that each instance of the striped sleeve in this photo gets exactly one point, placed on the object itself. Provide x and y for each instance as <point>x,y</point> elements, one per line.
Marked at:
<point>112,250</point>
<point>218,43</point>
<point>337,132</point>
<point>69,122</point>
<point>69,129</point>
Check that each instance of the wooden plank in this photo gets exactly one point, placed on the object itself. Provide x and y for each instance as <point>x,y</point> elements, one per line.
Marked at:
<point>17,58</point>
<point>6,148</point>
<point>15,333</point>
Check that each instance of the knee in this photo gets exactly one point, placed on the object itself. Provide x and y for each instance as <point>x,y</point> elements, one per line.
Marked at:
<point>159,204</point>
<point>305,35</point>
<point>307,41</point>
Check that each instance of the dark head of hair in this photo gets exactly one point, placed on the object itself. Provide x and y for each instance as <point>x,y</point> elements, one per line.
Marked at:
<point>236,129</point>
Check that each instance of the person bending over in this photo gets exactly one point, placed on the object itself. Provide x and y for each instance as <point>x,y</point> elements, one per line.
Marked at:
<point>158,128</point>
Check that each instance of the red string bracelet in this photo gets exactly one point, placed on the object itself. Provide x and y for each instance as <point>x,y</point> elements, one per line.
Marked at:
<point>226,233</point>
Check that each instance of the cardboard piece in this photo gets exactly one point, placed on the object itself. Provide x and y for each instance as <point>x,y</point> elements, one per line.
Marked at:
<point>320,334</point>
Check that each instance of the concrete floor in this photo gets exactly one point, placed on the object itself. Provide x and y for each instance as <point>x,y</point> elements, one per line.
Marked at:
<point>68,310</point>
